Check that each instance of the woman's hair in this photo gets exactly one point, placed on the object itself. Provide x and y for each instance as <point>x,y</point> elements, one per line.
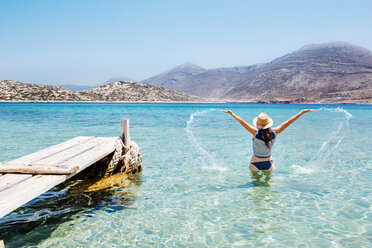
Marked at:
<point>267,136</point>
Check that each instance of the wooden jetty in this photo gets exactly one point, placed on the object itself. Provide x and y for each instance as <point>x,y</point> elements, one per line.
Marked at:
<point>25,178</point>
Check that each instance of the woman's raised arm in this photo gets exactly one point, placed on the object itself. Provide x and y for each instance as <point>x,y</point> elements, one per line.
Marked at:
<point>285,124</point>
<point>248,127</point>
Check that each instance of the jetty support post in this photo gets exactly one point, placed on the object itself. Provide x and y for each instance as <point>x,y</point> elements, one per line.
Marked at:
<point>125,133</point>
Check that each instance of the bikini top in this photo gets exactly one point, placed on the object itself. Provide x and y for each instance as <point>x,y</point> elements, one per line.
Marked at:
<point>259,147</point>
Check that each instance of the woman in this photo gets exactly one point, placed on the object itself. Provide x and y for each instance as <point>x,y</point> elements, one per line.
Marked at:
<point>263,138</point>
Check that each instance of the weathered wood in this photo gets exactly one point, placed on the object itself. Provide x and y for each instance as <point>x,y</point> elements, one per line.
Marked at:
<point>38,169</point>
<point>92,156</point>
<point>9,180</point>
<point>125,133</point>
<point>23,192</point>
<point>42,154</point>
<point>69,153</point>
<point>68,161</point>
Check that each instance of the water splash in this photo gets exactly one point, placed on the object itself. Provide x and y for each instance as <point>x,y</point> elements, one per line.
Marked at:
<point>211,162</point>
<point>328,146</point>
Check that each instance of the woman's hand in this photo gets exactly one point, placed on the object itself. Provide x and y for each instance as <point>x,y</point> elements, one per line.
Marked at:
<point>307,111</point>
<point>228,111</point>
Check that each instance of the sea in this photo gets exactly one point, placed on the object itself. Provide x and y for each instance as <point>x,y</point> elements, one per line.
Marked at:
<point>195,189</point>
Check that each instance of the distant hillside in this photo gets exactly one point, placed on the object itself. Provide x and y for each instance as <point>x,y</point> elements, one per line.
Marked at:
<point>169,79</point>
<point>331,72</point>
<point>118,91</point>
<point>17,91</point>
<point>129,91</point>
<point>214,83</point>
<point>326,72</point>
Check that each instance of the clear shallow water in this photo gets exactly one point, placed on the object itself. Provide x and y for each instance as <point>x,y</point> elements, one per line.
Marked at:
<point>196,189</point>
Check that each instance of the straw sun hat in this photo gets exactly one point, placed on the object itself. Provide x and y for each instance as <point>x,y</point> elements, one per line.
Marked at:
<point>263,121</point>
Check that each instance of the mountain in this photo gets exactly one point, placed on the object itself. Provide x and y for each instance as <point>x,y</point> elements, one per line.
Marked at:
<point>172,77</point>
<point>118,91</point>
<point>330,72</point>
<point>214,83</point>
<point>322,73</point>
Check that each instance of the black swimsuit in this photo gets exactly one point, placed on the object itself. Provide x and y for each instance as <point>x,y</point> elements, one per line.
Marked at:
<point>263,165</point>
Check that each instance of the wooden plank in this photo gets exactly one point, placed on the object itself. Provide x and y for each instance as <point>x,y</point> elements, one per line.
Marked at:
<point>92,156</point>
<point>9,180</point>
<point>61,157</point>
<point>70,160</point>
<point>38,169</point>
<point>42,154</point>
<point>23,192</point>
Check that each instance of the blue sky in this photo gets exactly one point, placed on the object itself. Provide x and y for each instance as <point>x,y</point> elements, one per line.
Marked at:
<point>87,42</point>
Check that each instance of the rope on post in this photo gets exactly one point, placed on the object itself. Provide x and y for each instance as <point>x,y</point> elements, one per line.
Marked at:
<point>126,159</point>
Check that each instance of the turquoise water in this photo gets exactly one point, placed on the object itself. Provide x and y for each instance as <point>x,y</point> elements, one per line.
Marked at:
<point>196,189</point>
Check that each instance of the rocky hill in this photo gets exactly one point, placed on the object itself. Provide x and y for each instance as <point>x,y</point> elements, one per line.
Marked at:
<point>214,83</point>
<point>331,72</point>
<point>17,91</point>
<point>322,73</point>
<point>118,91</point>
<point>134,92</point>
<point>171,78</point>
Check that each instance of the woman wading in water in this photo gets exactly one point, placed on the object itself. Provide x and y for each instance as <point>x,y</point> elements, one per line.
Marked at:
<point>263,138</point>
